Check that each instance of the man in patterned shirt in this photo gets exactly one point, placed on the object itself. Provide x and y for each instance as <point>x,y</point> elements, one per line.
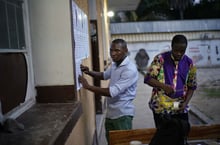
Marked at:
<point>173,78</point>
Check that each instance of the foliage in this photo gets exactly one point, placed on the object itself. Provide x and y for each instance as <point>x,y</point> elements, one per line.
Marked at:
<point>205,10</point>
<point>151,10</point>
<point>212,92</point>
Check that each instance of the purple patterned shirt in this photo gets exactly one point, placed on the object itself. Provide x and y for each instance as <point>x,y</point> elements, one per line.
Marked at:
<point>180,75</point>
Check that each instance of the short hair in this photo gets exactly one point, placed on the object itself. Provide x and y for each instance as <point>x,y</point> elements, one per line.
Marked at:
<point>179,39</point>
<point>120,41</point>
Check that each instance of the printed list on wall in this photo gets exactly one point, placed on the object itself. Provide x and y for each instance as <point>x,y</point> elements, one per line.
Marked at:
<point>80,38</point>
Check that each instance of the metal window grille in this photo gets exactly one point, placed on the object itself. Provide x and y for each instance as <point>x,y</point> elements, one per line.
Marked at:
<point>11,25</point>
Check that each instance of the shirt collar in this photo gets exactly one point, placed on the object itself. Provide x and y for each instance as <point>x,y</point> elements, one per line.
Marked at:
<point>124,62</point>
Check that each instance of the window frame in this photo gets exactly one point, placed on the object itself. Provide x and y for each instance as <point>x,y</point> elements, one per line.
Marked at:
<point>30,99</point>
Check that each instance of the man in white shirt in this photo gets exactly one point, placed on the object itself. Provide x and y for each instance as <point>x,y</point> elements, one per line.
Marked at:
<point>123,76</point>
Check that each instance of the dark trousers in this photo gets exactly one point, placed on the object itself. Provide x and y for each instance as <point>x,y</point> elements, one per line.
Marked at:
<point>171,129</point>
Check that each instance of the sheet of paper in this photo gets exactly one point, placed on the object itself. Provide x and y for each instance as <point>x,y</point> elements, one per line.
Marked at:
<point>80,31</point>
<point>80,39</point>
<point>78,72</point>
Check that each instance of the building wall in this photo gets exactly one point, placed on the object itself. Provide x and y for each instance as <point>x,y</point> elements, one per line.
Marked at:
<point>77,136</point>
<point>204,53</point>
<point>167,36</point>
<point>203,45</point>
<point>53,59</point>
<point>51,42</point>
<point>84,132</point>
<point>46,66</point>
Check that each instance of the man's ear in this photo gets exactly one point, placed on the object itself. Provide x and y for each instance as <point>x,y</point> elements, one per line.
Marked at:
<point>126,50</point>
<point>128,53</point>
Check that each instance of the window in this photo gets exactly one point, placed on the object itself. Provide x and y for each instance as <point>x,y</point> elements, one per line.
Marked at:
<point>15,56</point>
<point>11,25</point>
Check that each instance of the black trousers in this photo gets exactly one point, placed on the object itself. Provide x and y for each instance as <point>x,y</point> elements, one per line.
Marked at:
<point>171,129</point>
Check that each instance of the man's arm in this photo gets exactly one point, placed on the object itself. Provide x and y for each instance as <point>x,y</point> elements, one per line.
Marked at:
<point>155,83</point>
<point>189,95</point>
<point>97,75</point>
<point>192,85</point>
<point>98,90</point>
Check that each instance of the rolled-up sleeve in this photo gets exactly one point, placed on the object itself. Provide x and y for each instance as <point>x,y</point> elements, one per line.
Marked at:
<point>154,69</point>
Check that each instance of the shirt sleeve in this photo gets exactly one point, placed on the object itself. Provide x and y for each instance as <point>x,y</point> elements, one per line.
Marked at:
<point>154,69</point>
<point>107,73</point>
<point>192,80</point>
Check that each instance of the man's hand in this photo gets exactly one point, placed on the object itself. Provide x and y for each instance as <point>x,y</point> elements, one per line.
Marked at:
<point>168,89</point>
<point>84,69</point>
<point>84,82</point>
<point>182,106</point>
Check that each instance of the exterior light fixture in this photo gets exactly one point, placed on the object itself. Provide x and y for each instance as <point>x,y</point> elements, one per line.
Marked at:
<point>110,13</point>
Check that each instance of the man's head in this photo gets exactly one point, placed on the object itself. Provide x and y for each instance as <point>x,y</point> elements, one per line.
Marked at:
<point>118,50</point>
<point>179,44</point>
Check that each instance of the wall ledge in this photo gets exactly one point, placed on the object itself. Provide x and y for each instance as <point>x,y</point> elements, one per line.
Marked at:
<point>45,124</point>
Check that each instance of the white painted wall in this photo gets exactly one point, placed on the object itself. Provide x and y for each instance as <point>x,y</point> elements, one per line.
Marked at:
<point>205,53</point>
<point>51,42</point>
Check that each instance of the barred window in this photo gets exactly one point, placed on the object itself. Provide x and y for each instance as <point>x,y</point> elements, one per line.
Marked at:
<point>11,25</point>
